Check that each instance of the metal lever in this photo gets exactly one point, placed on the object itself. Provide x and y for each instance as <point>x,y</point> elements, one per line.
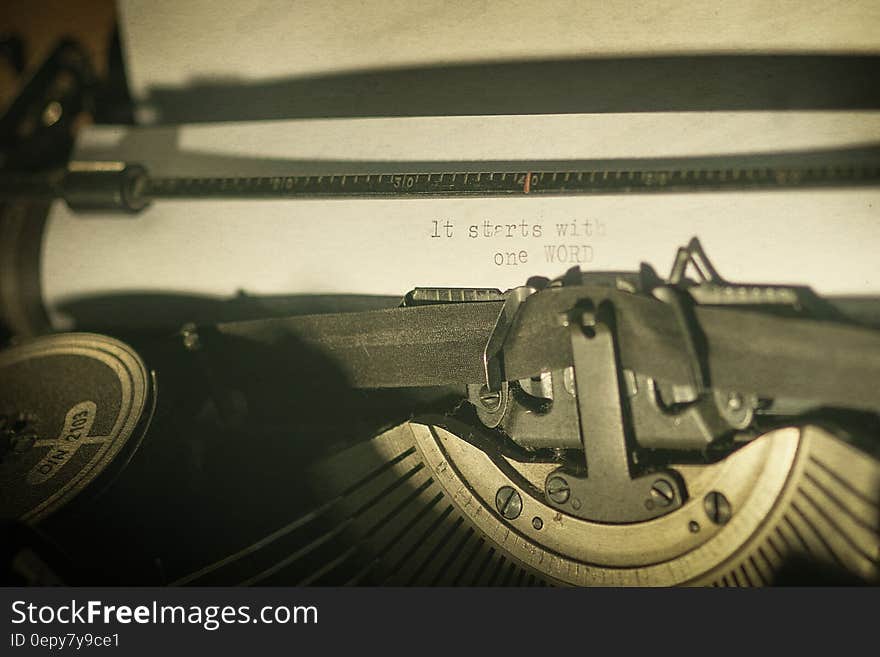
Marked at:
<point>608,492</point>
<point>493,365</point>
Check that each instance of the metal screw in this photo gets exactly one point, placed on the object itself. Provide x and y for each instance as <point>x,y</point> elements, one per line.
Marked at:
<point>508,502</point>
<point>662,493</point>
<point>736,408</point>
<point>558,490</point>
<point>490,399</point>
<point>734,401</point>
<point>717,507</point>
<point>51,113</point>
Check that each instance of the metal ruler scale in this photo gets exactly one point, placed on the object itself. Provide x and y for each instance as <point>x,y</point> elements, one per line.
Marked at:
<point>547,183</point>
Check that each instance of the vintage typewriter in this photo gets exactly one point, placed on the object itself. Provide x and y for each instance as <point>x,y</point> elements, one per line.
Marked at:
<point>623,428</point>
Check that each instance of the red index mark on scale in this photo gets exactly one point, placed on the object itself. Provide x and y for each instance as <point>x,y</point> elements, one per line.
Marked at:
<point>528,182</point>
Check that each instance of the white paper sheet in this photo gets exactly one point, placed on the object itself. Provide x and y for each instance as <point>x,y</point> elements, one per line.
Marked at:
<point>825,238</point>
